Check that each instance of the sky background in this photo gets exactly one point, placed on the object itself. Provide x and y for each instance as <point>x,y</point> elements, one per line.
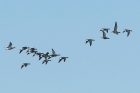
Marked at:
<point>108,66</point>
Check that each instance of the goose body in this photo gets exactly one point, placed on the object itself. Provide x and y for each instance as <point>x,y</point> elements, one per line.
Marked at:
<point>115,29</point>
<point>90,41</point>
<point>38,54</point>
<point>62,58</point>
<point>24,65</point>
<point>45,55</point>
<point>53,54</point>
<point>23,48</point>
<point>45,61</point>
<point>10,47</point>
<point>128,31</point>
<point>104,35</point>
<point>31,50</point>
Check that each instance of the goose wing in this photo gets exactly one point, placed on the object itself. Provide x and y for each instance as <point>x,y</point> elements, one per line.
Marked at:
<point>10,44</point>
<point>128,32</point>
<point>53,51</point>
<point>42,62</point>
<point>64,59</point>
<point>46,62</point>
<point>106,29</point>
<point>60,60</point>
<point>25,48</point>
<point>90,42</point>
<point>115,27</point>
<point>40,57</point>
<point>22,66</point>
<point>20,51</point>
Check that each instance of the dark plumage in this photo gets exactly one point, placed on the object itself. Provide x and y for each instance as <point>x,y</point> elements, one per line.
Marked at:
<point>128,31</point>
<point>31,50</point>
<point>90,41</point>
<point>24,65</point>
<point>23,48</point>
<point>45,61</point>
<point>64,58</point>
<point>10,47</point>
<point>105,29</point>
<point>38,54</point>
<point>115,29</point>
<point>104,35</point>
<point>53,54</point>
<point>45,55</point>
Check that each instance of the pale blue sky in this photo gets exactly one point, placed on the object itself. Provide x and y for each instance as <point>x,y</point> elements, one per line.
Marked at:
<point>108,66</point>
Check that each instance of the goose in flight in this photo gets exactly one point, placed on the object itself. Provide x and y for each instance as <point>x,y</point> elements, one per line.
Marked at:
<point>35,53</point>
<point>38,54</point>
<point>24,64</point>
<point>64,58</point>
<point>128,31</point>
<point>105,29</point>
<point>31,50</point>
<point>23,48</point>
<point>104,35</point>
<point>10,47</point>
<point>45,61</point>
<point>45,55</point>
<point>53,54</point>
<point>115,29</point>
<point>90,41</point>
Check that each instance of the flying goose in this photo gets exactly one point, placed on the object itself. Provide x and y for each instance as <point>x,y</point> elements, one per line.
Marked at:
<point>64,58</point>
<point>23,48</point>
<point>24,64</point>
<point>35,53</point>
<point>128,31</point>
<point>31,50</point>
<point>105,29</point>
<point>104,35</point>
<point>38,54</point>
<point>46,61</point>
<point>10,47</point>
<point>115,29</point>
<point>90,41</point>
<point>53,54</point>
<point>45,55</point>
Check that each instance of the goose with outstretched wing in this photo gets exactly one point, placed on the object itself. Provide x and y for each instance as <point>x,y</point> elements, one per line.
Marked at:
<point>115,29</point>
<point>90,41</point>
<point>128,31</point>
<point>105,29</point>
<point>62,58</point>
<point>53,54</point>
<point>24,65</point>
<point>104,35</point>
<point>10,47</point>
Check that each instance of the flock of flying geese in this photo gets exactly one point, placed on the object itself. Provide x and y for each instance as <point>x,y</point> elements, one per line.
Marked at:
<point>106,29</point>
<point>41,55</point>
<point>47,56</point>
